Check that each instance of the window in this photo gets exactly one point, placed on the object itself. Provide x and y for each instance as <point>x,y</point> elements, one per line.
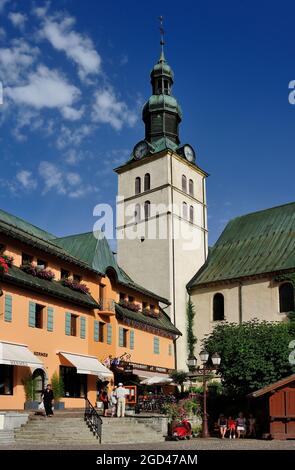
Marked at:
<point>170,350</point>
<point>183,183</point>
<point>27,259</point>
<point>137,213</point>
<point>73,325</point>
<point>156,345</point>
<point>184,210</point>
<point>101,292</point>
<point>191,187</point>
<point>166,87</point>
<point>147,210</point>
<point>144,305</point>
<point>152,307</point>
<point>77,277</point>
<point>191,214</point>
<point>2,248</point>
<point>218,307</point>
<point>39,316</point>
<point>286,292</point>
<point>101,331</point>
<point>6,379</point>
<point>75,385</point>
<point>41,263</point>
<point>64,274</point>
<point>122,296</point>
<point>137,185</point>
<point>130,298</point>
<point>123,337</point>
<point>147,181</point>
<point>159,91</point>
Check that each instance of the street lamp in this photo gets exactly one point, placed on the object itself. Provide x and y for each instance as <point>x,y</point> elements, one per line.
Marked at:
<point>215,359</point>
<point>192,362</point>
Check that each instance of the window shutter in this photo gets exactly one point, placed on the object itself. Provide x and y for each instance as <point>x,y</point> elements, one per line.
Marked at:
<point>49,318</point>
<point>131,339</point>
<point>121,337</point>
<point>32,314</point>
<point>82,327</point>
<point>170,350</point>
<point>96,330</point>
<point>68,324</point>
<point>8,308</point>
<point>156,345</point>
<point>109,333</point>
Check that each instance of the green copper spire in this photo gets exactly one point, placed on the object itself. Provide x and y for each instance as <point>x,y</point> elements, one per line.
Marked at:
<point>161,113</point>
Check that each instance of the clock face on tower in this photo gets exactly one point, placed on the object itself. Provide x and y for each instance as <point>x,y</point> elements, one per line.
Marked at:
<point>189,153</point>
<point>140,149</point>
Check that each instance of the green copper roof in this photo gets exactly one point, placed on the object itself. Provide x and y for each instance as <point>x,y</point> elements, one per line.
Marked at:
<point>163,322</point>
<point>162,68</point>
<point>257,243</point>
<point>96,252</point>
<point>51,288</point>
<point>25,226</point>
<point>162,102</point>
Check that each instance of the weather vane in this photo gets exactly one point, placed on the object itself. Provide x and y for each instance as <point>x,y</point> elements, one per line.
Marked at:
<point>162,42</point>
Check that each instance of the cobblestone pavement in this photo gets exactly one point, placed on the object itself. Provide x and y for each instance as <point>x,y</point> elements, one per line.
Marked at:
<point>194,444</point>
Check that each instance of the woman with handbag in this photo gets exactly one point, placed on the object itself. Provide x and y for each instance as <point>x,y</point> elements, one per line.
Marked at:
<point>48,398</point>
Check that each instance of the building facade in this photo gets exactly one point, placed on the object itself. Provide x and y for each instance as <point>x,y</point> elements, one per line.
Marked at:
<point>65,307</point>
<point>249,272</point>
<point>162,214</point>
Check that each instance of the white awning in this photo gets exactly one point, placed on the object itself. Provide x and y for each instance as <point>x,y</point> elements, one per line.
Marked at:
<point>87,365</point>
<point>18,355</point>
<point>156,380</point>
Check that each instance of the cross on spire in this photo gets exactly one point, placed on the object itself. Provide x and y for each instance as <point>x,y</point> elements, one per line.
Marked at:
<point>162,42</point>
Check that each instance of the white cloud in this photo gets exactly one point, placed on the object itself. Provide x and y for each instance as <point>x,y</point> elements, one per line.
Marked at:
<point>2,4</point>
<point>72,137</point>
<point>45,88</point>
<point>52,178</point>
<point>16,60</point>
<point>72,114</point>
<point>25,178</point>
<point>18,19</point>
<point>77,47</point>
<point>63,183</point>
<point>108,109</point>
<point>40,12</point>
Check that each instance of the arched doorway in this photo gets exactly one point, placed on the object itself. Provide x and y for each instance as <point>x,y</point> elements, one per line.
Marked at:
<point>39,379</point>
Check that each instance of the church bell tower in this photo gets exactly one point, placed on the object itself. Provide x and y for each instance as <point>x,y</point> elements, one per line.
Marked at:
<point>162,237</point>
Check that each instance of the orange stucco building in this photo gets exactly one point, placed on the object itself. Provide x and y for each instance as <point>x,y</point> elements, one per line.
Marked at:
<point>65,308</point>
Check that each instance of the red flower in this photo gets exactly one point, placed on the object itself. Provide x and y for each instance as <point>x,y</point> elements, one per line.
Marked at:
<point>3,265</point>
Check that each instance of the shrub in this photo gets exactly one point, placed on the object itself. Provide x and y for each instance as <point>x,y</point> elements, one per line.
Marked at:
<point>30,387</point>
<point>57,386</point>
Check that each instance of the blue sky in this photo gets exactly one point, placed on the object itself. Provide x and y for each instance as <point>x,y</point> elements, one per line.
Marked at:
<point>76,74</point>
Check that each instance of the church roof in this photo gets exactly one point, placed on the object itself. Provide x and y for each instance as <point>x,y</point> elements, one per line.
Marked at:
<point>254,244</point>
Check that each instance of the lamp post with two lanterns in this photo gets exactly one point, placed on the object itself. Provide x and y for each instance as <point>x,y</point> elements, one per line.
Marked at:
<point>203,371</point>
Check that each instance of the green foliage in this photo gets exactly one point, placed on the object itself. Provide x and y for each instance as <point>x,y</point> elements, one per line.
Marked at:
<point>57,386</point>
<point>191,338</point>
<point>183,409</point>
<point>197,429</point>
<point>253,354</point>
<point>30,387</point>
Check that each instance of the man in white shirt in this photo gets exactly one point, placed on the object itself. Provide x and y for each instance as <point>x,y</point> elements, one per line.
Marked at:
<point>121,393</point>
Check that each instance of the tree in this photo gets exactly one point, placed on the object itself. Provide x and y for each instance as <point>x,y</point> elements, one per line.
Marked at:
<point>178,377</point>
<point>57,386</point>
<point>191,338</point>
<point>253,354</point>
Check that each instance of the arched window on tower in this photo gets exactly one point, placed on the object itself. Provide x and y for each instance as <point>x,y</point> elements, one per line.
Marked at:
<point>286,292</point>
<point>147,210</point>
<point>191,187</point>
<point>191,214</point>
<point>184,210</point>
<point>147,181</point>
<point>183,183</point>
<point>137,213</point>
<point>137,185</point>
<point>218,307</point>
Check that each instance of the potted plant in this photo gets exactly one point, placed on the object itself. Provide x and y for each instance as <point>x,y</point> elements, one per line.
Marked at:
<point>58,391</point>
<point>30,391</point>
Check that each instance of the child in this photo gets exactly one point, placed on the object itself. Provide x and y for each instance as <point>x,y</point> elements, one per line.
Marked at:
<point>222,423</point>
<point>231,427</point>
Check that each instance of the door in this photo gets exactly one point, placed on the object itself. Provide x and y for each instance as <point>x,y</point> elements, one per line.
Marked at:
<point>39,379</point>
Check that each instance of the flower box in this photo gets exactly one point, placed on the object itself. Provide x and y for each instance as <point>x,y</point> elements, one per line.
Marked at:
<point>8,259</point>
<point>3,266</point>
<point>130,305</point>
<point>75,285</point>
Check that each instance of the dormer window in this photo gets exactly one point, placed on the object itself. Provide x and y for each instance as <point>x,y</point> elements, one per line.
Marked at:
<point>27,259</point>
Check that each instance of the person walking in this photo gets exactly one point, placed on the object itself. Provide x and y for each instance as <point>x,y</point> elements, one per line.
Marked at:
<point>113,401</point>
<point>48,397</point>
<point>103,397</point>
<point>121,393</point>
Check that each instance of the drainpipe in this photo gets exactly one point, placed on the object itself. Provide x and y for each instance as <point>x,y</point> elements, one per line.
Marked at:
<point>173,259</point>
<point>240,304</point>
